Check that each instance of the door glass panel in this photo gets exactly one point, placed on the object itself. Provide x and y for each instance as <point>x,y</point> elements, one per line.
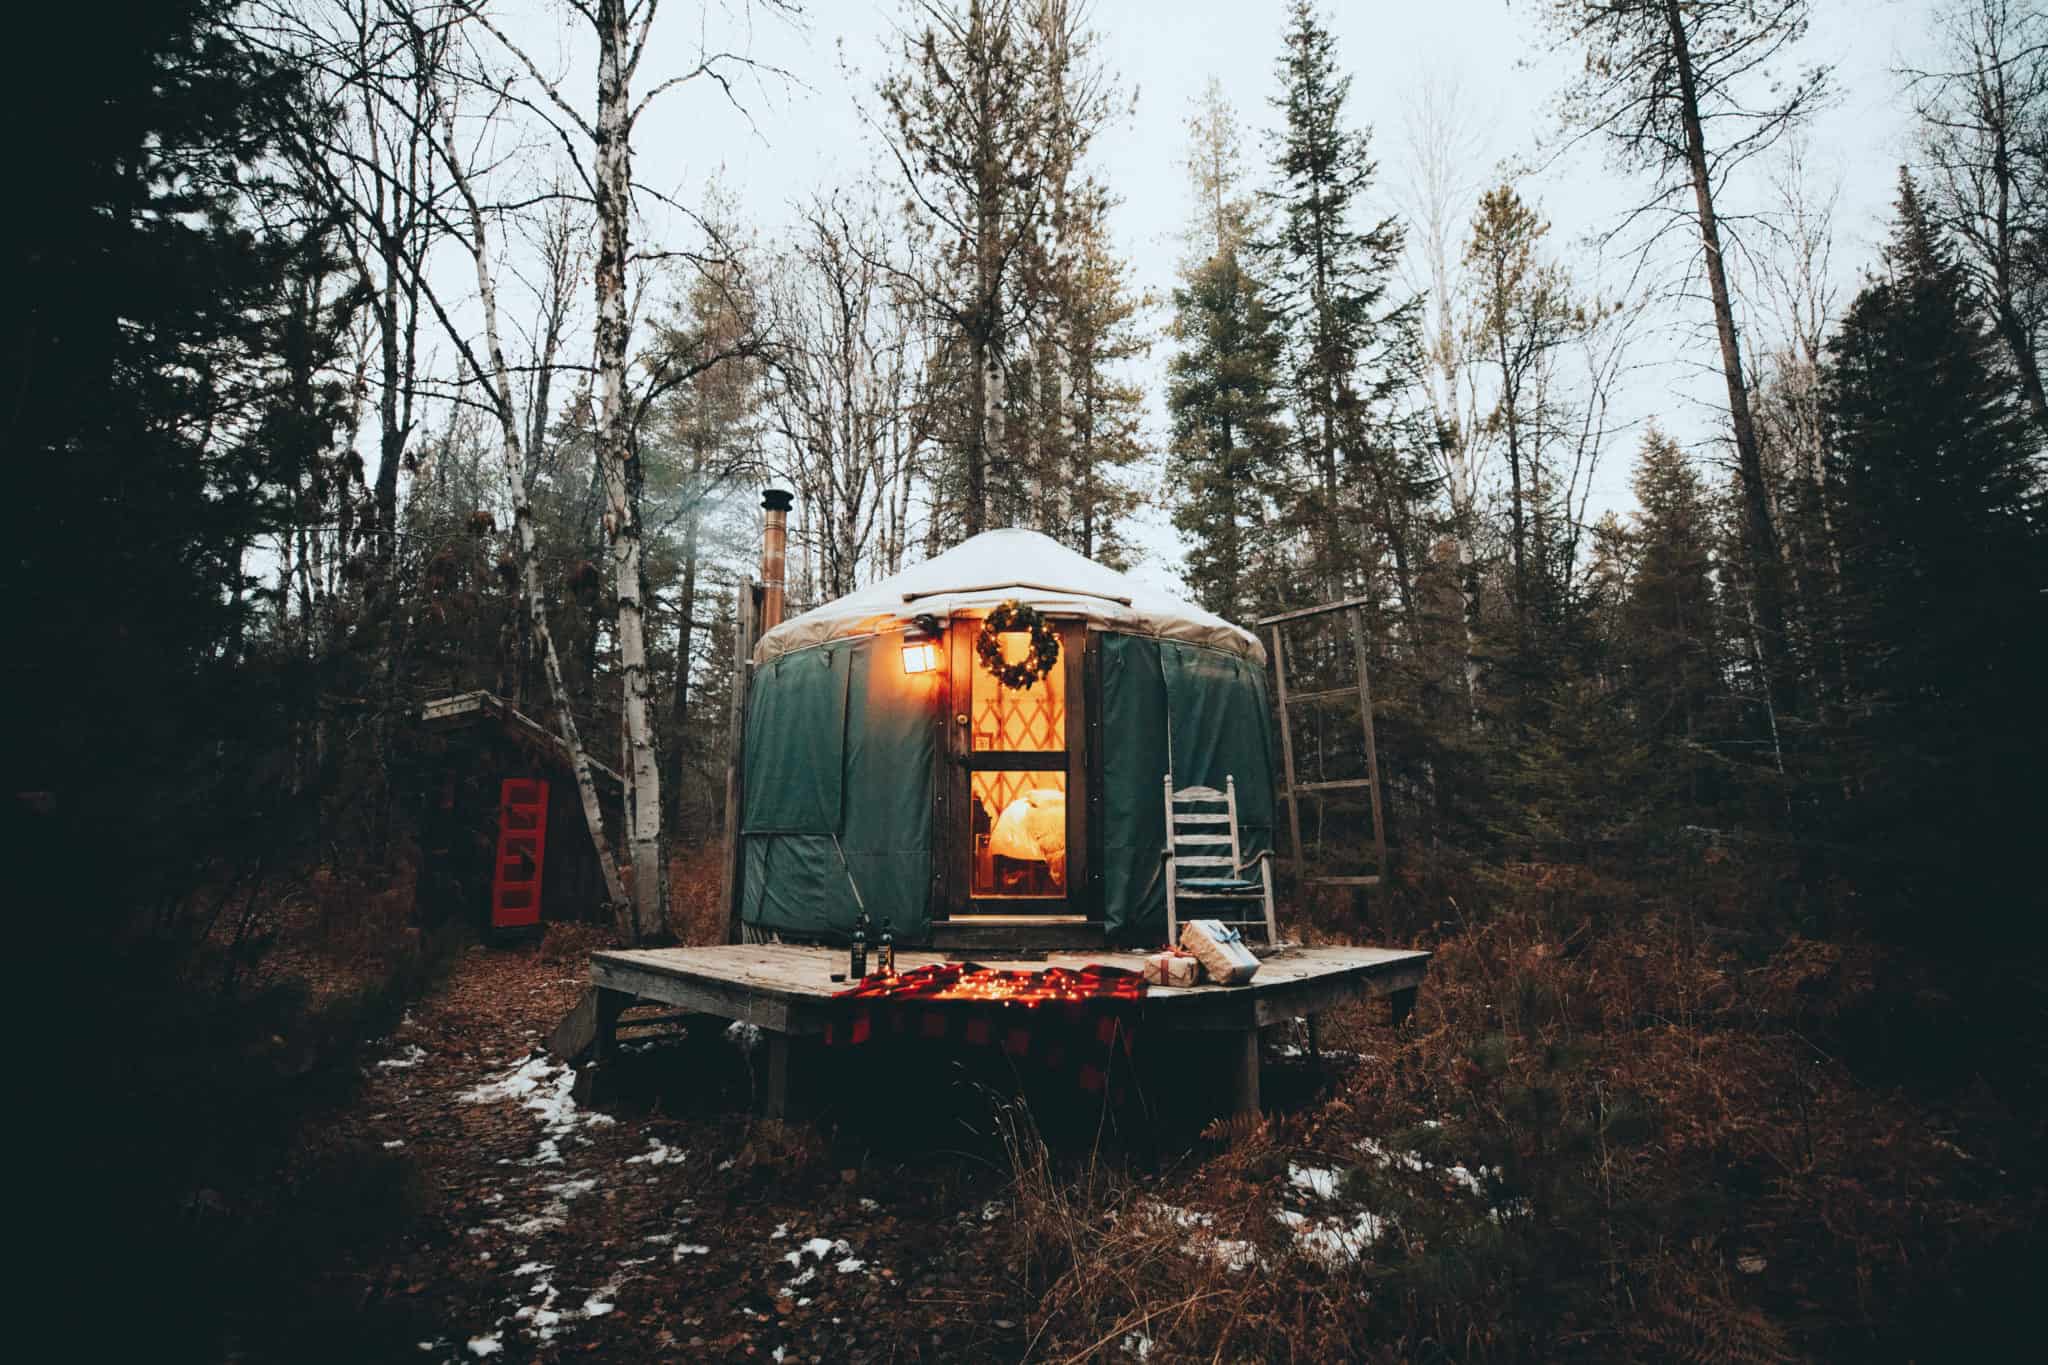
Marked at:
<point>1020,834</point>
<point>1033,720</point>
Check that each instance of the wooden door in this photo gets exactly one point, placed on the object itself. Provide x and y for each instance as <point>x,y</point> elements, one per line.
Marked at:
<point>1017,809</point>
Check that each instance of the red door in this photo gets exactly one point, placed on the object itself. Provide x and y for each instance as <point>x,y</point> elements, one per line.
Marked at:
<point>522,840</point>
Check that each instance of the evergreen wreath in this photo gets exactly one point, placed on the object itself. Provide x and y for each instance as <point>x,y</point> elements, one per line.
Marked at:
<point>1045,645</point>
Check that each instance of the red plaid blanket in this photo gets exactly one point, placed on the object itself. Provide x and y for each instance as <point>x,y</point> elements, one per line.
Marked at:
<point>1056,1017</point>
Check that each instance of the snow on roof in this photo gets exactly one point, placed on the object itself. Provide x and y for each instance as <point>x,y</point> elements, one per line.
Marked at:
<point>975,575</point>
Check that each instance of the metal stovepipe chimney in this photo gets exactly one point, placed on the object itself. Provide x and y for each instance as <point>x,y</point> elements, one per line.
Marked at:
<point>775,505</point>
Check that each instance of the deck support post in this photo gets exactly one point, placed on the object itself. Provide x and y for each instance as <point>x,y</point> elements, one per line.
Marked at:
<point>1400,1004</point>
<point>775,1088</point>
<point>1315,1049</point>
<point>610,1005</point>
<point>1242,1057</point>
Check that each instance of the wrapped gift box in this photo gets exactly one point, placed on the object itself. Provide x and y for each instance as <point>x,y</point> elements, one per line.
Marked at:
<point>1221,950</point>
<point>1172,968</point>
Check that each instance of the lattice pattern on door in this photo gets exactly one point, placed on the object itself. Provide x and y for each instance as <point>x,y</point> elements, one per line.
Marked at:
<point>996,790</point>
<point>1031,721</point>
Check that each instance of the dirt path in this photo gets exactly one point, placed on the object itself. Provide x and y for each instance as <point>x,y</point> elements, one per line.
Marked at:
<point>670,1227</point>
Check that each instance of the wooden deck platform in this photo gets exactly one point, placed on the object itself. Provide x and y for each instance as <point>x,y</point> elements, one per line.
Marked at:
<point>788,993</point>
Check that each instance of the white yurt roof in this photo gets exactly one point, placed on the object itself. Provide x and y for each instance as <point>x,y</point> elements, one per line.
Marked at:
<point>974,576</point>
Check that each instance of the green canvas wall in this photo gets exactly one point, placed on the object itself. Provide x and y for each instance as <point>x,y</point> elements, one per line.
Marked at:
<point>838,749</point>
<point>838,745</point>
<point>1206,712</point>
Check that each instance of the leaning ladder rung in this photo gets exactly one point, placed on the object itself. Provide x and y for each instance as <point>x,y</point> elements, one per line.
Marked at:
<point>1329,694</point>
<point>1201,838</point>
<point>1220,819</point>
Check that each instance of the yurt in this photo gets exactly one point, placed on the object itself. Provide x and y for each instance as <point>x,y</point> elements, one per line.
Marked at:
<point>982,739</point>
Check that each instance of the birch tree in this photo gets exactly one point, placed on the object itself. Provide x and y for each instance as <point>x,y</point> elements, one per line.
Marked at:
<point>847,405</point>
<point>602,133</point>
<point>1441,148</point>
<point>492,373</point>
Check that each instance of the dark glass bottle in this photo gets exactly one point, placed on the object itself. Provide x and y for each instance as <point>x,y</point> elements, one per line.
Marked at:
<point>858,969</point>
<point>888,954</point>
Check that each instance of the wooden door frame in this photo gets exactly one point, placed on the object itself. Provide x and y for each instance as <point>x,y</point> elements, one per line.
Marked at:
<point>952,844</point>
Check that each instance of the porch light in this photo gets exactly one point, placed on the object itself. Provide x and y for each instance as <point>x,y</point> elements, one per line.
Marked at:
<point>921,645</point>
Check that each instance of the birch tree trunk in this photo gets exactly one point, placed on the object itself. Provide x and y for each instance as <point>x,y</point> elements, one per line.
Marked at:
<point>622,478</point>
<point>500,386</point>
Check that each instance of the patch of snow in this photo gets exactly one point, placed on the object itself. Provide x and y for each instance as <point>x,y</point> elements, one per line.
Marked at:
<point>486,1346</point>
<point>868,1205</point>
<point>689,1249</point>
<point>1234,1254</point>
<point>533,1268</point>
<point>1136,1344</point>
<point>1231,1253</point>
<point>546,1088</point>
<point>658,1153</point>
<point>1320,1181</point>
<point>1176,1215</point>
<point>394,1144</point>
<point>743,1035</point>
<point>776,1355</point>
<point>413,1055</point>
<point>659,1239</point>
<point>1330,1241</point>
<point>781,1231</point>
<point>1472,1181</point>
<point>850,1265</point>
<point>991,1211</point>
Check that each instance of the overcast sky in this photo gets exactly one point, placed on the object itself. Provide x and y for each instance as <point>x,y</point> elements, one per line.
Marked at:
<point>808,133</point>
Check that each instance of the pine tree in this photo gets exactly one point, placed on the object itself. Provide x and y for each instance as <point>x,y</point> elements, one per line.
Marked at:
<point>1943,567</point>
<point>1330,282</point>
<point>1227,452</point>
<point>1665,621</point>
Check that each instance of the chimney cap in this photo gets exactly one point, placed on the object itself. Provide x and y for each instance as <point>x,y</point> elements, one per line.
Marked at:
<point>776,500</point>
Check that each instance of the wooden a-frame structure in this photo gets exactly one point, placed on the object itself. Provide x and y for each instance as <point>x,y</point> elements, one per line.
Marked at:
<point>1293,787</point>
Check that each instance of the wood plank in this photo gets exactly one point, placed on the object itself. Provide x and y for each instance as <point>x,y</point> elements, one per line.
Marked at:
<point>732,869</point>
<point>1303,613</point>
<point>1004,587</point>
<point>1337,785</point>
<point>1372,752</point>
<point>787,989</point>
<point>1244,1072</point>
<point>1327,694</point>
<point>1345,881</point>
<point>750,1002</point>
<point>576,1036</point>
<point>1287,750</point>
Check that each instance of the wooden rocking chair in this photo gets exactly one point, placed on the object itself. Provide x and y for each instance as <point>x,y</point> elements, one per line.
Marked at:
<point>1204,839</point>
